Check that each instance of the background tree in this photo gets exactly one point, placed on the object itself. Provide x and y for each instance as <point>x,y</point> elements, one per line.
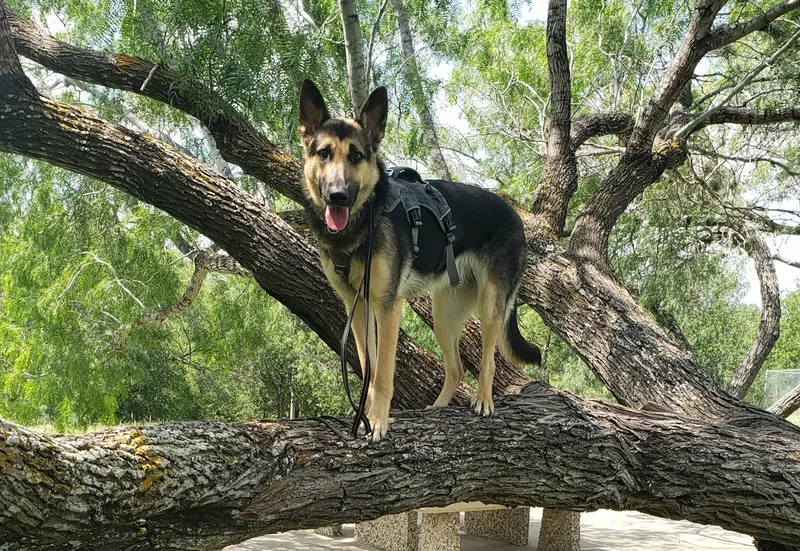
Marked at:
<point>581,233</point>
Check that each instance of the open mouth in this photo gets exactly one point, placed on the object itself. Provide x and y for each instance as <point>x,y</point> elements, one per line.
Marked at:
<point>336,217</point>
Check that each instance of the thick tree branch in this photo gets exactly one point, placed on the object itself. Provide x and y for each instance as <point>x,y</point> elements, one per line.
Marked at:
<point>238,141</point>
<point>560,179</point>
<point>745,116</point>
<point>769,323</point>
<point>787,404</point>
<point>677,76</point>
<point>12,76</point>
<point>201,485</point>
<point>614,123</point>
<point>643,163</point>
<point>728,34</point>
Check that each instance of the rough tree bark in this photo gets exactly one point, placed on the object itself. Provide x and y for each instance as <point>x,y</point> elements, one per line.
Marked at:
<point>788,404</point>
<point>572,288</point>
<point>412,76</point>
<point>201,485</point>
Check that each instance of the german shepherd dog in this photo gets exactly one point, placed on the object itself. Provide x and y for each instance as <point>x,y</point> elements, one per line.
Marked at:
<point>343,176</point>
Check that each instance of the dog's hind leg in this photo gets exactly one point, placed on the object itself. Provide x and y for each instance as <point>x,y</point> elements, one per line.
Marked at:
<point>492,315</point>
<point>451,307</point>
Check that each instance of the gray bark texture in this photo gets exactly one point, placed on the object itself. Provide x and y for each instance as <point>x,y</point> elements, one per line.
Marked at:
<point>202,485</point>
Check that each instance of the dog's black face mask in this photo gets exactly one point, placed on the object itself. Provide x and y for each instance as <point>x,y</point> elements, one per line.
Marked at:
<point>341,167</point>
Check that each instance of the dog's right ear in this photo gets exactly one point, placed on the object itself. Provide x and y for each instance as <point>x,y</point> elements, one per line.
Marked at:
<point>312,110</point>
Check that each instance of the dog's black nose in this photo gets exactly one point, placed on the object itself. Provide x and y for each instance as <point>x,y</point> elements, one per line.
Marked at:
<point>338,198</point>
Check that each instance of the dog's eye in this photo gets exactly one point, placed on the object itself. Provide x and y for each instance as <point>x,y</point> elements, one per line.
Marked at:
<point>324,154</point>
<point>356,156</point>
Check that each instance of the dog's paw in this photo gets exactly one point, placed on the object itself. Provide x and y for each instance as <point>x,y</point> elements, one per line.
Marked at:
<point>380,426</point>
<point>483,406</point>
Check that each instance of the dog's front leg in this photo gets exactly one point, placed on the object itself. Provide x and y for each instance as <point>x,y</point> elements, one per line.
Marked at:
<point>383,388</point>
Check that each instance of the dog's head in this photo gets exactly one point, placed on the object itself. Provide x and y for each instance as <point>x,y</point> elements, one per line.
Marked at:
<point>341,164</point>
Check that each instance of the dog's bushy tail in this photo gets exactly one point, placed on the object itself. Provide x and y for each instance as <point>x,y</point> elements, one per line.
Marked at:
<point>514,346</point>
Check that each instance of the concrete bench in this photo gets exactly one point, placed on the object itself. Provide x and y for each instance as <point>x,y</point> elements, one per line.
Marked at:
<point>437,528</point>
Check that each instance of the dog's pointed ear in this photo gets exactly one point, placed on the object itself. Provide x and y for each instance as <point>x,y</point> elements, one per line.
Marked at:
<point>372,117</point>
<point>312,110</point>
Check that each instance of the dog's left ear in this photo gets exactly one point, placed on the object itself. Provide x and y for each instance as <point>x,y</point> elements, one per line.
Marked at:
<point>372,117</point>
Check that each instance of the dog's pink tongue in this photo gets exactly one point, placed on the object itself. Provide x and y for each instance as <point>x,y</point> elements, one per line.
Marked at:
<point>336,217</point>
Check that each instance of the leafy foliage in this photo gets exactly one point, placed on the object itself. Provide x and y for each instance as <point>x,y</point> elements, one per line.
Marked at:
<point>79,262</point>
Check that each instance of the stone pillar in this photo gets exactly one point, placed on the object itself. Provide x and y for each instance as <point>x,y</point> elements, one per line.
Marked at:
<point>505,525</point>
<point>439,532</point>
<point>560,531</point>
<point>330,531</point>
<point>390,533</point>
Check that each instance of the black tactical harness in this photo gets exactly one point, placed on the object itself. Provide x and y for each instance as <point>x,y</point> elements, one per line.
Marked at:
<point>407,188</point>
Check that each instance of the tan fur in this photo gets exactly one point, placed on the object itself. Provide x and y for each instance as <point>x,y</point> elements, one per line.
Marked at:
<point>364,173</point>
<point>390,283</point>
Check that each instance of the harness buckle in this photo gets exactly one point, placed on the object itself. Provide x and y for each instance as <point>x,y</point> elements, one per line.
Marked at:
<point>415,216</point>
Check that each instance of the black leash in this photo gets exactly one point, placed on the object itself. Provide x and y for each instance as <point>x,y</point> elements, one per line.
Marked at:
<point>360,409</point>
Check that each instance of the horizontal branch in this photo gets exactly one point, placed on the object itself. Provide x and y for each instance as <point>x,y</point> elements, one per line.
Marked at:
<point>728,34</point>
<point>201,485</point>
<point>616,123</point>
<point>788,262</point>
<point>744,116</point>
<point>698,121</point>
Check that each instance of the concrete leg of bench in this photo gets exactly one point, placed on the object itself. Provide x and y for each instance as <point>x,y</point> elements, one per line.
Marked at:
<point>330,531</point>
<point>560,531</point>
<point>506,525</point>
<point>390,533</point>
<point>439,532</point>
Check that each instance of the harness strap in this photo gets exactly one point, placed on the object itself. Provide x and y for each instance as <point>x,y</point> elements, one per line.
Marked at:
<point>341,262</point>
<point>414,214</point>
<point>448,226</point>
<point>406,188</point>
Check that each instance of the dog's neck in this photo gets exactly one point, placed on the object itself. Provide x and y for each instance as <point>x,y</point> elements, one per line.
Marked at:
<point>355,234</point>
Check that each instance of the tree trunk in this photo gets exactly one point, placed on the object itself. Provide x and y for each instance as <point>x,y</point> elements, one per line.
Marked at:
<point>354,51</point>
<point>420,99</point>
<point>202,485</point>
